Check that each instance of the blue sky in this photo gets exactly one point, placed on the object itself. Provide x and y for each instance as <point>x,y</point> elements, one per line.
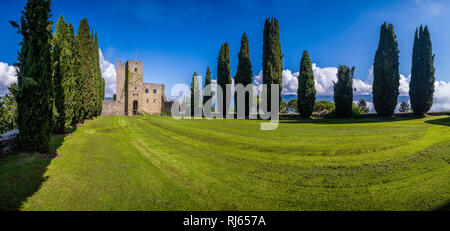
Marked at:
<point>177,38</point>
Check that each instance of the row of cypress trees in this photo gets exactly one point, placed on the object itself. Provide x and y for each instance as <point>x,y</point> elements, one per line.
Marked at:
<point>386,74</point>
<point>386,78</point>
<point>272,67</point>
<point>59,76</point>
<point>79,87</point>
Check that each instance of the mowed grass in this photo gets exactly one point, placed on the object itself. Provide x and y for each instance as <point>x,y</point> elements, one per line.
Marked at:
<point>158,163</point>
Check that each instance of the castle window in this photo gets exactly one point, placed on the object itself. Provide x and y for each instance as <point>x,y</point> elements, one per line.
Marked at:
<point>146,91</point>
<point>135,88</point>
<point>154,101</point>
<point>154,91</point>
<point>147,100</point>
<point>135,69</point>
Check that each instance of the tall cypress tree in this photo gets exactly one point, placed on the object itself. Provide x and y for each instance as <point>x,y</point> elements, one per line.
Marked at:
<point>386,79</point>
<point>89,84</point>
<point>421,87</point>
<point>78,98</point>
<point>244,73</point>
<point>64,80</point>
<point>98,76</point>
<point>343,92</point>
<point>195,94</point>
<point>207,82</point>
<point>35,97</point>
<point>306,95</point>
<point>224,76</point>
<point>272,58</point>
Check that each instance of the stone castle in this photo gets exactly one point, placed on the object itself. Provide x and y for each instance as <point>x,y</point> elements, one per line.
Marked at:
<point>133,96</point>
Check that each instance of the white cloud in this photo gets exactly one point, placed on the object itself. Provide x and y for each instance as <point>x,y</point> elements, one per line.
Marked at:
<point>404,85</point>
<point>441,96</point>
<point>7,77</point>
<point>109,74</point>
<point>323,78</point>
<point>362,88</point>
<point>257,83</point>
<point>290,82</point>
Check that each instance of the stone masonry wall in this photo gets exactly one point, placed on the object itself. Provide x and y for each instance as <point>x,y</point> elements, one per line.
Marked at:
<point>111,107</point>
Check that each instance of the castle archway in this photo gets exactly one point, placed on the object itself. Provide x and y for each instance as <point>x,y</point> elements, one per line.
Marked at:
<point>135,107</point>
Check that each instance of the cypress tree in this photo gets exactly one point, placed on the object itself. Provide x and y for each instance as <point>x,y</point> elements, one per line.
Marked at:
<point>89,84</point>
<point>421,87</point>
<point>35,82</point>
<point>98,76</point>
<point>244,73</point>
<point>224,76</point>
<point>78,98</point>
<point>386,72</point>
<point>64,80</point>
<point>207,82</point>
<point>195,94</point>
<point>343,92</point>
<point>306,95</point>
<point>272,58</point>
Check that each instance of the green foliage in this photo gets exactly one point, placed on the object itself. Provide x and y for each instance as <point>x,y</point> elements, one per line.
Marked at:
<point>404,107</point>
<point>100,82</point>
<point>8,110</point>
<point>195,94</point>
<point>90,71</point>
<point>421,87</point>
<point>306,88</point>
<point>323,106</point>
<point>63,76</point>
<point>356,111</point>
<point>272,58</point>
<point>224,76</point>
<point>292,105</point>
<point>207,82</point>
<point>343,92</point>
<point>35,98</point>
<point>244,73</point>
<point>386,72</point>
<point>362,105</point>
<point>78,116</point>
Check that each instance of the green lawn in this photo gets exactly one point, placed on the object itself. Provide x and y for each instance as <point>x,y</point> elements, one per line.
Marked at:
<point>157,163</point>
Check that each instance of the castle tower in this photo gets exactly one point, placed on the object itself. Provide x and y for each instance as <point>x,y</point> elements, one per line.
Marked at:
<point>120,81</point>
<point>134,72</point>
<point>133,96</point>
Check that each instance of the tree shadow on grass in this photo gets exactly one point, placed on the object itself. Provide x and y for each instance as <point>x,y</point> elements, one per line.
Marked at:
<point>22,174</point>
<point>442,121</point>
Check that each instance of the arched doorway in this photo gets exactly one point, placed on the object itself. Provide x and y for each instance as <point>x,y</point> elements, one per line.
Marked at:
<point>135,107</point>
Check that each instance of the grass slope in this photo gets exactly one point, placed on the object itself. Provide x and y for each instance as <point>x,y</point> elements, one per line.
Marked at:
<point>157,163</point>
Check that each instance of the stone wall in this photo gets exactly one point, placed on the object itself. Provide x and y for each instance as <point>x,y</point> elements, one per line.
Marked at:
<point>151,99</point>
<point>111,107</point>
<point>9,141</point>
